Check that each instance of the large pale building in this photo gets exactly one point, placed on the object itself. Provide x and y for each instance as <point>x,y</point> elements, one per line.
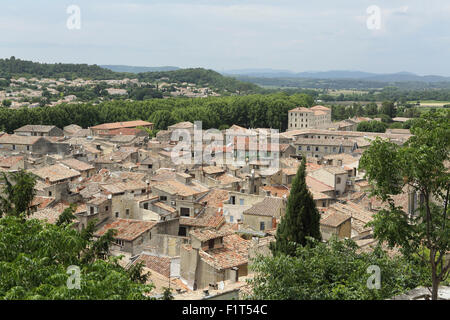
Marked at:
<point>317,117</point>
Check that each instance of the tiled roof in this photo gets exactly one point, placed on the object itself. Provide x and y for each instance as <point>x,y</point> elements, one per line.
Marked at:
<point>325,142</point>
<point>176,187</point>
<point>48,214</point>
<point>215,198</point>
<point>35,128</point>
<point>8,162</point>
<point>233,254</point>
<point>227,179</point>
<point>301,109</point>
<point>124,186</point>
<point>164,206</point>
<point>42,202</point>
<point>55,173</point>
<point>277,191</point>
<point>212,170</point>
<point>208,234</point>
<point>77,164</point>
<point>210,218</point>
<point>316,185</point>
<point>127,229</point>
<point>270,207</point>
<point>156,263</point>
<point>124,124</point>
<point>334,219</point>
<point>16,139</point>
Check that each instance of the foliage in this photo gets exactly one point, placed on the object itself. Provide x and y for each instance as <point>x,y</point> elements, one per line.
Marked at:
<point>167,294</point>
<point>301,220</point>
<point>266,111</point>
<point>420,166</point>
<point>34,257</point>
<point>67,216</point>
<point>371,126</point>
<point>332,271</point>
<point>18,193</point>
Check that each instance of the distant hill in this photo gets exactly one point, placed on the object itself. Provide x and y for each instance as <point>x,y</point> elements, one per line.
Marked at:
<point>136,69</point>
<point>336,75</point>
<point>201,77</point>
<point>15,67</point>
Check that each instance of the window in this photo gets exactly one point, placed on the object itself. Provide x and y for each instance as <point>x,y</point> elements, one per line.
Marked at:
<point>92,210</point>
<point>49,193</point>
<point>117,214</point>
<point>338,180</point>
<point>14,147</point>
<point>211,244</point>
<point>150,166</point>
<point>233,200</point>
<point>106,208</point>
<point>28,148</point>
<point>143,191</point>
<point>231,218</point>
<point>317,148</point>
<point>163,198</point>
<point>184,212</point>
<point>127,212</point>
<point>182,231</point>
<point>308,148</point>
<point>262,226</point>
<point>146,205</point>
<point>324,204</point>
<point>299,148</point>
<point>241,202</point>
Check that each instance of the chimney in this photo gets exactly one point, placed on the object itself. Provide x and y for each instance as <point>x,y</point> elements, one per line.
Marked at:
<point>47,180</point>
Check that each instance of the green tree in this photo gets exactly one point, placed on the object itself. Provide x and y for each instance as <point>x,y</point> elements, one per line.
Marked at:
<point>6,103</point>
<point>34,261</point>
<point>419,166</point>
<point>301,220</point>
<point>332,271</point>
<point>18,193</point>
<point>167,294</point>
<point>67,216</point>
<point>388,108</point>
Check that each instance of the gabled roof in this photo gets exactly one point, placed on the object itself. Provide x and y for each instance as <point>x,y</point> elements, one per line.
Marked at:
<point>17,139</point>
<point>127,229</point>
<point>233,254</point>
<point>124,124</point>
<point>207,234</point>
<point>269,207</point>
<point>56,172</point>
<point>35,128</point>
<point>209,218</point>
<point>77,164</point>
<point>334,219</point>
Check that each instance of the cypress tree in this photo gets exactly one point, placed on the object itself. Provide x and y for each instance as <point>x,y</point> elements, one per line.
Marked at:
<point>301,220</point>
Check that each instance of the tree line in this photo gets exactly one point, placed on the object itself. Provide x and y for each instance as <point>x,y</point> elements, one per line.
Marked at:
<point>253,111</point>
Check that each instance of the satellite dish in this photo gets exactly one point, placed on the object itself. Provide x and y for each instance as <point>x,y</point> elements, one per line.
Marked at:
<point>221,285</point>
<point>109,197</point>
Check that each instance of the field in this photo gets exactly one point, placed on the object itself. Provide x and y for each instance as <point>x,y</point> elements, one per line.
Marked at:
<point>431,103</point>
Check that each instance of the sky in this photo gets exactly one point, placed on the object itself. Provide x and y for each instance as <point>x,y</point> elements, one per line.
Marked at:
<point>381,36</point>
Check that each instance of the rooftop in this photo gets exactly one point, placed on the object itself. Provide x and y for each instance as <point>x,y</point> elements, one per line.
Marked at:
<point>127,229</point>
